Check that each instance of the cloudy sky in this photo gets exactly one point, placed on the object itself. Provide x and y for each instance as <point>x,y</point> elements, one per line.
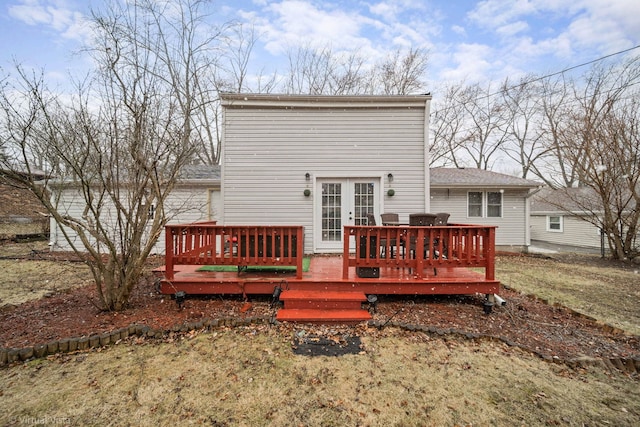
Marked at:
<point>466,40</point>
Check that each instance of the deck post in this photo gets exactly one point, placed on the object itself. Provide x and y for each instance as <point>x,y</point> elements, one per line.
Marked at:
<point>168,253</point>
<point>299,250</point>
<point>346,233</point>
<point>490,255</point>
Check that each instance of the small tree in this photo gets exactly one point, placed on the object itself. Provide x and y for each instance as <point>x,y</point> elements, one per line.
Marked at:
<point>120,142</point>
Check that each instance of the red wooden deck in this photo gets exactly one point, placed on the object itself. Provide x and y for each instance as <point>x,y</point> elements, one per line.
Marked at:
<point>381,260</point>
<point>326,273</point>
<point>452,259</point>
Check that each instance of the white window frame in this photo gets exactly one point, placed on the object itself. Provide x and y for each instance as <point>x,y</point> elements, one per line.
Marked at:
<point>469,204</point>
<point>500,193</point>
<point>560,223</point>
<point>484,207</point>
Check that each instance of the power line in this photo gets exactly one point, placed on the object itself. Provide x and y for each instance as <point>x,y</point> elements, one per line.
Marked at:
<point>550,75</point>
<point>573,67</point>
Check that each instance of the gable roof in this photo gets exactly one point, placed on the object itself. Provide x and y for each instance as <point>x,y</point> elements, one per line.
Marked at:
<point>476,178</point>
<point>574,199</point>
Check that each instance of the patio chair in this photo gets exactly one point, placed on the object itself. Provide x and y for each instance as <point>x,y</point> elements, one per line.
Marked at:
<point>421,220</point>
<point>389,218</point>
<point>442,218</point>
<point>371,219</point>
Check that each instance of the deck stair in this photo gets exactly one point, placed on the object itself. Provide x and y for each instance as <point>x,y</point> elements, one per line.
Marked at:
<point>308,306</point>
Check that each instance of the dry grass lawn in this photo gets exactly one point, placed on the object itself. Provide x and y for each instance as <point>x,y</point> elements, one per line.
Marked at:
<point>250,377</point>
<point>609,294</point>
<point>23,280</point>
<point>27,280</point>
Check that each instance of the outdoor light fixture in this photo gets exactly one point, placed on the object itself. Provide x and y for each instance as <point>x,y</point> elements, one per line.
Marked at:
<point>275,298</point>
<point>307,176</point>
<point>390,177</point>
<point>180,297</point>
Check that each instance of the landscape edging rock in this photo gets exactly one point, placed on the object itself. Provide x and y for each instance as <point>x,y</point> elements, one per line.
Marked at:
<point>9,356</point>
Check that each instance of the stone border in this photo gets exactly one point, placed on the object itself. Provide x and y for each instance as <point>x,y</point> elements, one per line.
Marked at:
<point>12,356</point>
<point>9,356</point>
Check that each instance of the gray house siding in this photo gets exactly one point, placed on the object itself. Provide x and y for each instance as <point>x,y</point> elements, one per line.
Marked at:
<point>512,231</point>
<point>270,145</point>
<point>187,203</point>
<point>575,231</point>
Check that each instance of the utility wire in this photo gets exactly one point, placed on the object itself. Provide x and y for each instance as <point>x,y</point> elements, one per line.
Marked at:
<point>550,75</point>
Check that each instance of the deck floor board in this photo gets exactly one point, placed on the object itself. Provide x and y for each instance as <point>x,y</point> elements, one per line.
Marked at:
<point>325,273</point>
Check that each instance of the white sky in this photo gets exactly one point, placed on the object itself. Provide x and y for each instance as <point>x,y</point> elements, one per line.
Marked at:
<point>466,40</point>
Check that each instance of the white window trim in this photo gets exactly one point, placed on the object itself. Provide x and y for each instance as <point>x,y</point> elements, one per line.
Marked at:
<point>552,230</point>
<point>484,209</point>
<point>482,204</point>
<point>486,195</point>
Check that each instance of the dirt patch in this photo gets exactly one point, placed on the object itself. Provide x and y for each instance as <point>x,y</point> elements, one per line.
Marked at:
<point>325,345</point>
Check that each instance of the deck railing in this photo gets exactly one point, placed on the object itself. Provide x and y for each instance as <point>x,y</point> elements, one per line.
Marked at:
<point>417,248</point>
<point>205,243</point>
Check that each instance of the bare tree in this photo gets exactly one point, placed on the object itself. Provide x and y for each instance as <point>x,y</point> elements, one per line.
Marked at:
<point>602,143</point>
<point>484,122</point>
<point>556,102</point>
<point>402,73</point>
<point>117,147</point>
<point>233,73</point>
<point>321,71</point>
<point>525,138</point>
<point>447,127</point>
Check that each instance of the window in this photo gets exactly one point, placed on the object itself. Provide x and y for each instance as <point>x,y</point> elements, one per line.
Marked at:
<point>554,223</point>
<point>494,204</point>
<point>477,201</point>
<point>475,204</point>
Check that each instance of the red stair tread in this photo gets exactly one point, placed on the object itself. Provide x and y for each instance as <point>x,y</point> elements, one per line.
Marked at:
<point>322,295</point>
<point>314,315</point>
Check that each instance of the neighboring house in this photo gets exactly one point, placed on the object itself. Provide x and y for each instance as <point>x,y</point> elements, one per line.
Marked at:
<point>21,213</point>
<point>323,161</point>
<point>559,217</point>
<point>476,196</point>
<point>196,197</point>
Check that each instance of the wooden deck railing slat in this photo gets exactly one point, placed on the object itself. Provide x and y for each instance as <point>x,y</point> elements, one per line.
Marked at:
<point>416,248</point>
<point>211,244</point>
<point>454,245</point>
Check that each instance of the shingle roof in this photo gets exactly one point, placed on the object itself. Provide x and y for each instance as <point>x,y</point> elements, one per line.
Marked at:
<point>575,199</point>
<point>473,177</point>
<point>200,173</point>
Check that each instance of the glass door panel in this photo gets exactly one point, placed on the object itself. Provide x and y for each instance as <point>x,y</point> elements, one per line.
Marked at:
<point>342,201</point>
<point>331,212</point>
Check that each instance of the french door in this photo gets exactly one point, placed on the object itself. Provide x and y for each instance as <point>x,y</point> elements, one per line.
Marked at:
<point>339,202</point>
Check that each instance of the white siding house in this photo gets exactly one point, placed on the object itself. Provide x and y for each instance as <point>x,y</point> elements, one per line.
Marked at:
<point>196,197</point>
<point>475,196</point>
<point>323,161</point>
<point>557,219</point>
